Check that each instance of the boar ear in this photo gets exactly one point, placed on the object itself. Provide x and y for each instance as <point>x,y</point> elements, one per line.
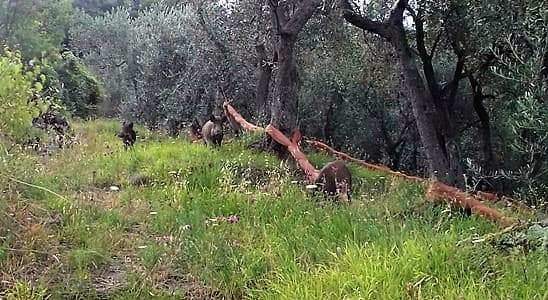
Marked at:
<point>130,124</point>
<point>212,118</point>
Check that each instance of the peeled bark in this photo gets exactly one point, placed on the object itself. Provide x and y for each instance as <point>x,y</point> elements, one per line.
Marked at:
<point>438,191</point>
<point>373,167</point>
<point>293,148</point>
<point>232,114</point>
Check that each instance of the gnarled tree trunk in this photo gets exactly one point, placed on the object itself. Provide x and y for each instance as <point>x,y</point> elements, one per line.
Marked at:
<point>432,120</point>
<point>264,75</point>
<point>430,107</point>
<point>284,103</point>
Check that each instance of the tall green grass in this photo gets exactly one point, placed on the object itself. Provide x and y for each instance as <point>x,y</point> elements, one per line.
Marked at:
<point>165,234</point>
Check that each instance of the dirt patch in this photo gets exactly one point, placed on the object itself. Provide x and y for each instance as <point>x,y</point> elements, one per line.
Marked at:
<point>189,287</point>
<point>109,280</point>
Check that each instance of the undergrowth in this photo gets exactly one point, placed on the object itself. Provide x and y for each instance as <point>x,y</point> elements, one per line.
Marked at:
<point>169,219</point>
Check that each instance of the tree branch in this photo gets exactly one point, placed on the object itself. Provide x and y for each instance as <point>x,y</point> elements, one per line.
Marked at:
<point>401,136</point>
<point>435,44</point>
<point>274,8</point>
<point>201,18</point>
<point>360,21</point>
<point>301,16</point>
<point>453,86</point>
<point>483,115</point>
<point>396,15</point>
<point>426,59</point>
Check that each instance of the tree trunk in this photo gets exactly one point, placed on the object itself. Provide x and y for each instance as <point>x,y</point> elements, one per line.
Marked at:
<point>544,74</point>
<point>489,161</point>
<point>264,76</point>
<point>329,127</point>
<point>430,111</point>
<point>432,120</point>
<point>284,105</point>
<point>225,76</point>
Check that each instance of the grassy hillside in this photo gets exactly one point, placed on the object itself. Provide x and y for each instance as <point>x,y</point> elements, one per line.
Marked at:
<point>199,223</point>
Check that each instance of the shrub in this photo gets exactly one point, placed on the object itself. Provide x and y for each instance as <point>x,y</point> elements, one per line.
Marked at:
<point>525,120</point>
<point>78,89</point>
<point>19,96</point>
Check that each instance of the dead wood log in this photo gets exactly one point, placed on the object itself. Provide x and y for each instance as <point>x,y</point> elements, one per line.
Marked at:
<point>440,192</point>
<point>293,149</point>
<point>344,156</point>
<point>517,205</point>
<point>436,191</point>
<point>235,116</point>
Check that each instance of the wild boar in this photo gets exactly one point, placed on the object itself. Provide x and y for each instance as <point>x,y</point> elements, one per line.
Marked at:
<point>212,131</point>
<point>335,179</point>
<point>128,135</point>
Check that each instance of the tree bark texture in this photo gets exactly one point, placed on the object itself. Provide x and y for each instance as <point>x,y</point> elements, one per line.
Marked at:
<point>429,107</point>
<point>264,75</point>
<point>489,160</point>
<point>284,103</point>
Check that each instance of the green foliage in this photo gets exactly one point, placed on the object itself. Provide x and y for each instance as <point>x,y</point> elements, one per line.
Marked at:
<point>527,239</point>
<point>83,259</point>
<point>19,96</point>
<point>100,7</point>
<point>38,29</point>
<point>158,65</point>
<point>80,91</point>
<point>34,27</point>
<point>521,66</point>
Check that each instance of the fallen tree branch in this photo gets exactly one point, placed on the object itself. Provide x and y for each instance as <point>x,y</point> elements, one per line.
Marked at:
<point>440,192</point>
<point>436,191</point>
<point>235,116</point>
<point>344,156</point>
<point>484,196</point>
<point>293,148</point>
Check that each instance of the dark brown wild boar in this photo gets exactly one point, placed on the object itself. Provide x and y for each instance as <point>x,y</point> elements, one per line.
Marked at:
<point>128,135</point>
<point>212,131</point>
<point>335,179</point>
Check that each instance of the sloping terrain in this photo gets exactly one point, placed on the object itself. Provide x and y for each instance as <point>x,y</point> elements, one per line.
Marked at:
<point>173,220</point>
